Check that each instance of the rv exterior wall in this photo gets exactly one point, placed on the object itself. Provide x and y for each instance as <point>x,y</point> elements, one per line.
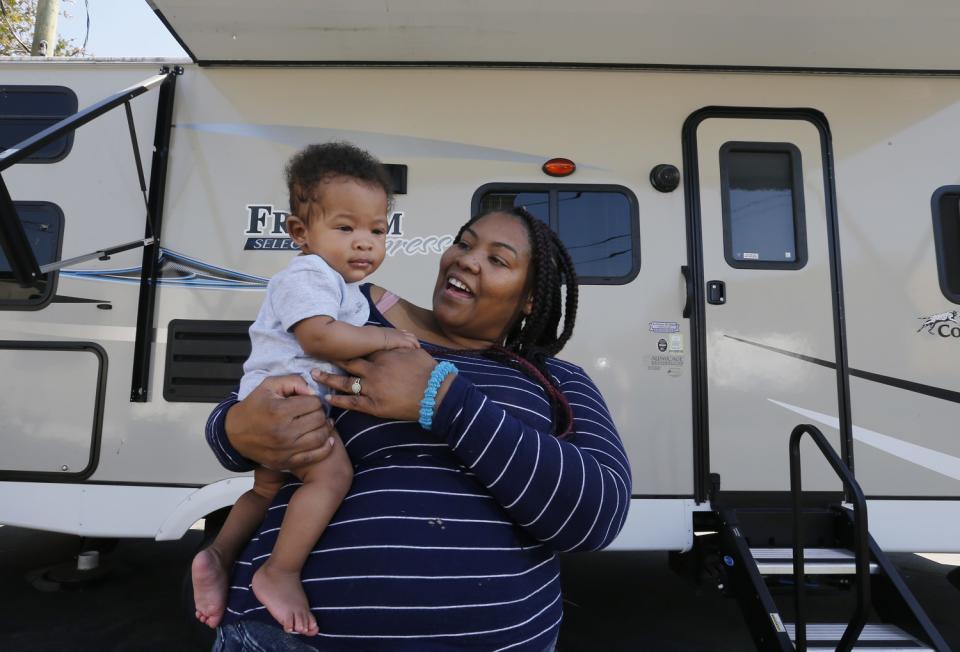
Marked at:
<point>894,144</point>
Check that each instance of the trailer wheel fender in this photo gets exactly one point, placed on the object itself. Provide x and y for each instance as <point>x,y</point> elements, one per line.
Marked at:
<point>201,502</point>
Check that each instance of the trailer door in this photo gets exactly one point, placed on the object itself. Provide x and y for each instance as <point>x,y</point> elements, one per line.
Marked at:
<point>767,341</point>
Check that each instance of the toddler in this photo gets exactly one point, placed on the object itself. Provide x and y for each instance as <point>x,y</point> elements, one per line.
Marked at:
<point>313,309</point>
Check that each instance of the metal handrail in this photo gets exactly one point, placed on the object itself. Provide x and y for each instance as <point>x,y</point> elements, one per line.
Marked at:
<point>861,548</point>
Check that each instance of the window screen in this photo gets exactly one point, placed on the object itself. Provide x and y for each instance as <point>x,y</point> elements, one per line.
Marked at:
<point>946,232</point>
<point>598,224</point>
<point>762,199</point>
<point>27,110</point>
<point>43,224</point>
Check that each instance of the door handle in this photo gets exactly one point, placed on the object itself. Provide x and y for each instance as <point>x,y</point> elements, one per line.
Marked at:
<point>716,292</point>
<point>688,286</point>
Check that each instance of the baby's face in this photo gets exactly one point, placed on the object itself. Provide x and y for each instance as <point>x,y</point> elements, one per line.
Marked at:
<point>347,227</point>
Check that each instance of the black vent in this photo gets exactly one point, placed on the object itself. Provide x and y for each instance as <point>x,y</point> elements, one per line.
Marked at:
<point>204,359</point>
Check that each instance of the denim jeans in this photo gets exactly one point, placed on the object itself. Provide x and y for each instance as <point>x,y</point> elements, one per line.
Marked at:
<point>253,636</point>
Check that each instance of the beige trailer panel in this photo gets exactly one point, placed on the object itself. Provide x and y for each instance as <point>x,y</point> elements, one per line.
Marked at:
<point>458,129</point>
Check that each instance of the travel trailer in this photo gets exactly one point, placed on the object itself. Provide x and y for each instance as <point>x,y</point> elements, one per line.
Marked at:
<point>764,212</point>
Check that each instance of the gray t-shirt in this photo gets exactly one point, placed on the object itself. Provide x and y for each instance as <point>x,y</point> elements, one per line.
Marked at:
<point>307,287</point>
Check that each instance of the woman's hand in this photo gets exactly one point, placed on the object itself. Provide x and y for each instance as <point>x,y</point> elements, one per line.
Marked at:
<point>392,383</point>
<point>281,425</point>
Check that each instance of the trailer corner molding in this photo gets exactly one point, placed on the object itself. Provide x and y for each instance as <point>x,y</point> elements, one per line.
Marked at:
<point>266,230</point>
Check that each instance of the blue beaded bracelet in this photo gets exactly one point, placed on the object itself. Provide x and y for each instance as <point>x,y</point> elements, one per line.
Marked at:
<point>427,403</point>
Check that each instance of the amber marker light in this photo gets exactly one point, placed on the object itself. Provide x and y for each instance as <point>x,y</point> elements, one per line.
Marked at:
<point>559,167</point>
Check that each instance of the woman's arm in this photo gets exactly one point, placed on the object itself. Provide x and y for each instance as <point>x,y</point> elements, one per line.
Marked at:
<point>280,425</point>
<point>572,493</point>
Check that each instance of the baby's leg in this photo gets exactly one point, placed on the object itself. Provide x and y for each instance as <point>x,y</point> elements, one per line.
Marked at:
<point>211,567</point>
<point>277,583</point>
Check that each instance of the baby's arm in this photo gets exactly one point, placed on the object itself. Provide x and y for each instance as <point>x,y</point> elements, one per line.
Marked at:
<point>328,339</point>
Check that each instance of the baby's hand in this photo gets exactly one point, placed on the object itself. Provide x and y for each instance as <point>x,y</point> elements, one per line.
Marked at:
<point>398,339</point>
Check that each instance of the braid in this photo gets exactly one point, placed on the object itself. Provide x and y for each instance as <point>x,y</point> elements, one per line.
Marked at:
<point>533,338</point>
<point>542,376</point>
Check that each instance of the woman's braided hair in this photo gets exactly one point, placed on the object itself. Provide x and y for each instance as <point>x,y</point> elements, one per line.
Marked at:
<point>533,338</point>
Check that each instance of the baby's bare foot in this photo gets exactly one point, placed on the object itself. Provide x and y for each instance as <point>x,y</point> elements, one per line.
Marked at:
<point>209,587</point>
<point>282,594</point>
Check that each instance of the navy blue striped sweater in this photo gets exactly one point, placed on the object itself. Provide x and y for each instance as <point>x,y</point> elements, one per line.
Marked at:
<point>448,539</point>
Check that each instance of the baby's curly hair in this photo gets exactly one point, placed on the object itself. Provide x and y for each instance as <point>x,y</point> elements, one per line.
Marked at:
<point>316,164</point>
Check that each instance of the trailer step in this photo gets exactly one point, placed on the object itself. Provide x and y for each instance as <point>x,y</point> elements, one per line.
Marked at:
<point>874,637</point>
<point>817,561</point>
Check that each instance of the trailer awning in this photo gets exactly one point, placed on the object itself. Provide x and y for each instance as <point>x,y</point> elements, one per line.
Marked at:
<point>874,35</point>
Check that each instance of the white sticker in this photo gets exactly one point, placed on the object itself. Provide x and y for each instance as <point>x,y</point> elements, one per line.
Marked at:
<point>777,623</point>
<point>750,255</point>
<point>675,343</point>
<point>664,327</point>
<point>658,361</point>
<point>787,254</point>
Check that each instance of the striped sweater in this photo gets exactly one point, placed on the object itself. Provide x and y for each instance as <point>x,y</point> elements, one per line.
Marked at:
<point>448,539</point>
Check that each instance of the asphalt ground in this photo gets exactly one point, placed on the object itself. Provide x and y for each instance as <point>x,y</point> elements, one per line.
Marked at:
<point>613,601</point>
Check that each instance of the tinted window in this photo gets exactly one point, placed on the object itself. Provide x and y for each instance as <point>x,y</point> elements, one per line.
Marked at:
<point>538,203</point>
<point>598,224</point>
<point>595,227</point>
<point>27,110</point>
<point>946,230</point>
<point>43,224</point>
<point>762,205</point>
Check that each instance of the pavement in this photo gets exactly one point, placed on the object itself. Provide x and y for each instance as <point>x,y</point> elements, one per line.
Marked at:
<point>613,601</point>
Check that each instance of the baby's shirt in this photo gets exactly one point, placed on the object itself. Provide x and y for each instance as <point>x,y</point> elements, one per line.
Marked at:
<point>307,287</point>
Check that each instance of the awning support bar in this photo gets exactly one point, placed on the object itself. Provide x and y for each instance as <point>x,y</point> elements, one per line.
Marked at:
<point>100,254</point>
<point>36,142</point>
<point>13,239</point>
<point>136,159</point>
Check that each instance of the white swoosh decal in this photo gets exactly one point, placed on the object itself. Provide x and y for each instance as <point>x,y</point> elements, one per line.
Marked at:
<point>928,458</point>
<point>388,146</point>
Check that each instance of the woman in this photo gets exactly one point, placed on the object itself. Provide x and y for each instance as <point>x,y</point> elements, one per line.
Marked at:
<point>448,537</point>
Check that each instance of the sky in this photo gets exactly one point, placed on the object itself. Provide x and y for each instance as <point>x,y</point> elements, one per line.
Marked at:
<point>118,28</point>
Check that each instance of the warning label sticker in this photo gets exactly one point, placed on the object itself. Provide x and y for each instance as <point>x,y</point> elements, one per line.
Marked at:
<point>664,327</point>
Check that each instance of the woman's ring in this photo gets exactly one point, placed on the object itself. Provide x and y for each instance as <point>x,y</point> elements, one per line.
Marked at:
<point>355,387</point>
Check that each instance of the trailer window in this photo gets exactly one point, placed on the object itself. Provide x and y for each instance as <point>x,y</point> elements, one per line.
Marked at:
<point>762,202</point>
<point>946,235</point>
<point>27,110</point>
<point>599,224</point>
<point>43,223</point>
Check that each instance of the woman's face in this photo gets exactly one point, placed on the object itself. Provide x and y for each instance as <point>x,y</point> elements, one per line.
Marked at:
<point>482,281</point>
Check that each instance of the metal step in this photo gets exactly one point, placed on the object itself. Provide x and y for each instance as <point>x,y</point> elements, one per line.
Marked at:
<point>816,561</point>
<point>874,637</point>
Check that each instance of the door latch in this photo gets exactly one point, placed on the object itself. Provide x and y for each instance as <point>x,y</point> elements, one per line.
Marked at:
<point>716,292</point>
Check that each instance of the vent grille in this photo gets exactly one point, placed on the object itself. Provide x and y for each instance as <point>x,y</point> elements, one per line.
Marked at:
<point>204,359</point>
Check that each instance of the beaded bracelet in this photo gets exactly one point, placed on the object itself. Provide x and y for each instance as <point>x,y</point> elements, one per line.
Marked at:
<point>427,403</point>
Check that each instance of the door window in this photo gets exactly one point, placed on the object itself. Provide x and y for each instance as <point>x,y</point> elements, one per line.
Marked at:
<point>762,201</point>
<point>946,232</point>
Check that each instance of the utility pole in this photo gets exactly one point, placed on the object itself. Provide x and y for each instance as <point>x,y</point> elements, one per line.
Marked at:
<point>45,30</point>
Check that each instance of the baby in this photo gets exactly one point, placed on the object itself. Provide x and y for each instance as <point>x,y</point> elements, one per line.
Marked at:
<point>313,309</point>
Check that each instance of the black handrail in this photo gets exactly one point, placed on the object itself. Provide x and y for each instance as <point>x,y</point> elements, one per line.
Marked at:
<point>861,549</point>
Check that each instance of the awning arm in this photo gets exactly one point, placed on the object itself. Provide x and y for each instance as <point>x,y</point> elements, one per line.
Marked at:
<point>13,237</point>
<point>100,254</point>
<point>36,142</point>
